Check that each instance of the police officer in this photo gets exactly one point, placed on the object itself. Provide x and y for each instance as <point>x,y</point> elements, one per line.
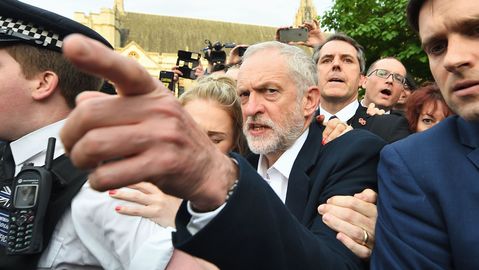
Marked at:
<point>38,88</point>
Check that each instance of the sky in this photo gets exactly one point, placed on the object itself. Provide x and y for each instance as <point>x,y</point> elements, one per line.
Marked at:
<point>276,13</point>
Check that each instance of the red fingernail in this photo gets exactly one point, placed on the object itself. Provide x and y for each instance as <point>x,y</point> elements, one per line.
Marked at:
<point>323,142</point>
<point>112,192</point>
<point>118,208</point>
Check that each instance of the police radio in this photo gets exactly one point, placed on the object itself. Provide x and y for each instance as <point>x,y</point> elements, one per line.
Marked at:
<point>31,192</point>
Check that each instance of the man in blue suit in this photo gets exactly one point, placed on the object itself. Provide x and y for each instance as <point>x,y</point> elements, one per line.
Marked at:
<point>429,183</point>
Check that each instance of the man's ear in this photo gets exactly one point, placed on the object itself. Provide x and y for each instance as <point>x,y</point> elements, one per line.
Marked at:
<point>46,85</point>
<point>362,81</point>
<point>311,101</point>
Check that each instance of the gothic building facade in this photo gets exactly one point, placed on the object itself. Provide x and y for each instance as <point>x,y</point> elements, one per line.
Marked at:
<point>154,40</point>
<point>306,12</point>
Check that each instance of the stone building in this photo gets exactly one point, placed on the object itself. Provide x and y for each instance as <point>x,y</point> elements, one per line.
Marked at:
<point>306,12</point>
<point>154,40</point>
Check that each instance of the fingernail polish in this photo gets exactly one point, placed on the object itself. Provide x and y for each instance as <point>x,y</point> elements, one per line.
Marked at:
<point>118,208</point>
<point>112,192</point>
<point>323,142</point>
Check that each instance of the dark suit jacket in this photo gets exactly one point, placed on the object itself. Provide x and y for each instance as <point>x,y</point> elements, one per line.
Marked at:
<point>390,127</point>
<point>256,231</point>
<point>429,200</point>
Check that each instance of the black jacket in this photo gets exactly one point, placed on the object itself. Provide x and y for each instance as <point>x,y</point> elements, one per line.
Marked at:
<point>390,127</point>
<point>256,230</point>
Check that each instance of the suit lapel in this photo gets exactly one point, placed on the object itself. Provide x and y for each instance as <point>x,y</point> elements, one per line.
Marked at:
<point>360,118</point>
<point>469,136</point>
<point>299,179</point>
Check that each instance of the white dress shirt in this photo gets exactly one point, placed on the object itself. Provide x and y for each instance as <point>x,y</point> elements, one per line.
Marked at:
<point>31,148</point>
<point>344,114</point>
<point>276,176</point>
<point>91,235</point>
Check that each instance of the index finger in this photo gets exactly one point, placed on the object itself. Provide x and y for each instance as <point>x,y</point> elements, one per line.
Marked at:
<point>367,195</point>
<point>95,58</point>
<point>365,208</point>
<point>146,187</point>
<point>177,71</point>
<point>331,125</point>
<point>320,119</point>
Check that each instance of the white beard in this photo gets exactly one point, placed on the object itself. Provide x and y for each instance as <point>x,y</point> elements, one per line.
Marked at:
<point>280,138</point>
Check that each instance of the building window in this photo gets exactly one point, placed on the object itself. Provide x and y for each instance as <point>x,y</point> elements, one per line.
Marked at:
<point>134,55</point>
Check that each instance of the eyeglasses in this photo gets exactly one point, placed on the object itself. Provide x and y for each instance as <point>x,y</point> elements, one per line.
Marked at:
<point>382,73</point>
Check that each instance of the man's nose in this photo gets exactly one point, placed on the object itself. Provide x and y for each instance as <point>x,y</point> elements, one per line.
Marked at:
<point>459,53</point>
<point>253,105</point>
<point>390,78</point>
<point>336,63</point>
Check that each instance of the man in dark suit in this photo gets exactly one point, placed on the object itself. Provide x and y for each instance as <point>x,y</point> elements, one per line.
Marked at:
<point>341,65</point>
<point>278,106</point>
<point>233,217</point>
<point>429,204</point>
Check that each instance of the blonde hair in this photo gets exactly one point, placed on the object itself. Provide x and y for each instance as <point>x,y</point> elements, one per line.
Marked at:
<point>222,90</point>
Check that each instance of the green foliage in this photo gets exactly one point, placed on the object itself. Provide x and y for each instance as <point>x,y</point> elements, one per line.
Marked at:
<point>381,27</point>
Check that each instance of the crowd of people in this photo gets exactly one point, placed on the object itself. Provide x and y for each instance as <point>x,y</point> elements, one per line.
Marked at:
<point>272,163</point>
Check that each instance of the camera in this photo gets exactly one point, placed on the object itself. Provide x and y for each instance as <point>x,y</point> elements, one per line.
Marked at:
<point>186,63</point>
<point>167,78</point>
<point>214,53</point>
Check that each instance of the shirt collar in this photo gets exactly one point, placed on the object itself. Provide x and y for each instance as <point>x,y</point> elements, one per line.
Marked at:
<point>35,143</point>
<point>285,162</point>
<point>344,114</point>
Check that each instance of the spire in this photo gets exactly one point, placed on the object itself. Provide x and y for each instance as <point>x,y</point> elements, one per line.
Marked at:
<point>306,12</point>
<point>118,6</point>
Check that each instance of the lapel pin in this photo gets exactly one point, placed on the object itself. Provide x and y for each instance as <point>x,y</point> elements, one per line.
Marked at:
<point>362,121</point>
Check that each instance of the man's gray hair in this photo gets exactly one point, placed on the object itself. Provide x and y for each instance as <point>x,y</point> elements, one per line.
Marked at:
<point>299,63</point>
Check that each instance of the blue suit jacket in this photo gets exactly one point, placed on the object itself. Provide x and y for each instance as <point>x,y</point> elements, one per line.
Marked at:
<point>429,200</point>
<point>256,231</point>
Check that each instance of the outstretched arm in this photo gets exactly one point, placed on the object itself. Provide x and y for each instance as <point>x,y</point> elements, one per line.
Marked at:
<point>119,138</point>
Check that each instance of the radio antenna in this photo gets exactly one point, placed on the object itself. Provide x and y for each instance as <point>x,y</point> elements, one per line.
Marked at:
<point>50,153</point>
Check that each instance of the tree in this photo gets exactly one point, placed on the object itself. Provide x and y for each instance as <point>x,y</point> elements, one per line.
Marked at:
<point>381,27</point>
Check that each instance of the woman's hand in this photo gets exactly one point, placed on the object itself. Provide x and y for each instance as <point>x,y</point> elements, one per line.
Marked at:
<point>151,203</point>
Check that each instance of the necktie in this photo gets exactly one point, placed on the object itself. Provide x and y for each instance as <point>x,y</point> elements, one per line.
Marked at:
<point>7,170</point>
<point>7,164</point>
